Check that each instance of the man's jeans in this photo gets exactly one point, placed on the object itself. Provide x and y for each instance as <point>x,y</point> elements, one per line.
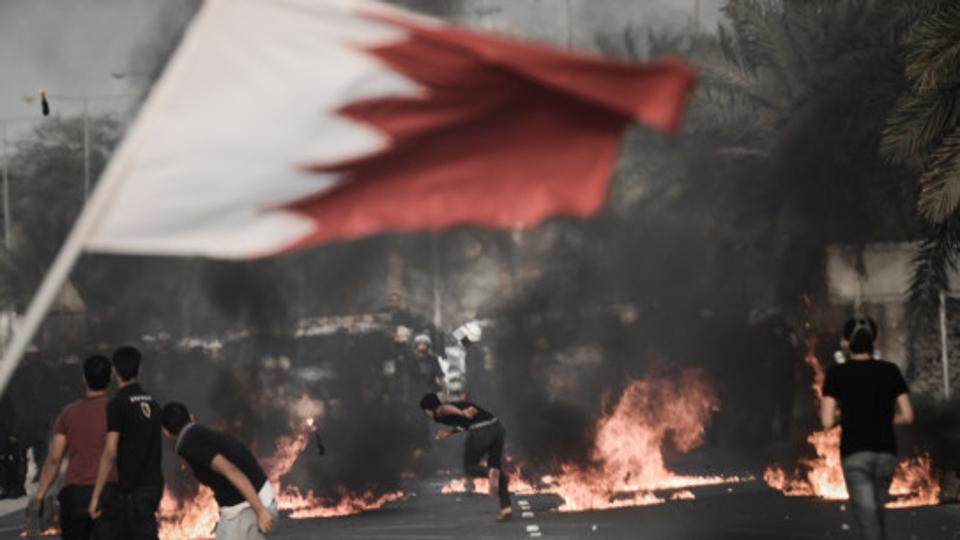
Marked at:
<point>868,476</point>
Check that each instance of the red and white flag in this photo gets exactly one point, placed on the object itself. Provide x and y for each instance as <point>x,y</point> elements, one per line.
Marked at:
<point>284,123</point>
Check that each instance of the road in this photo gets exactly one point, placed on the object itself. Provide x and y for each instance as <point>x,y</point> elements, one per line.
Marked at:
<point>748,511</point>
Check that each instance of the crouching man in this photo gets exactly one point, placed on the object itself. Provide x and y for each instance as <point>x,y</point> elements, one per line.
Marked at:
<point>485,436</point>
<point>247,502</point>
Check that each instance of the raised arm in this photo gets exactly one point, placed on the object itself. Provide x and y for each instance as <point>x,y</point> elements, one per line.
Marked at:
<point>235,476</point>
<point>904,413</point>
<point>108,460</point>
<point>828,412</point>
<point>51,466</point>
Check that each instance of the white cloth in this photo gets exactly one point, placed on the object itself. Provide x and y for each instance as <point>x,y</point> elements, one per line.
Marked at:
<point>267,496</point>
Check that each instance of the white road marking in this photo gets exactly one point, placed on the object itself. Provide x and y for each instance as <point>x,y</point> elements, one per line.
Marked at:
<point>532,530</point>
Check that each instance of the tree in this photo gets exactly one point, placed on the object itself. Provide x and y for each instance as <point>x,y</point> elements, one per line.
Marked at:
<point>923,132</point>
<point>779,155</point>
<point>46,197</point>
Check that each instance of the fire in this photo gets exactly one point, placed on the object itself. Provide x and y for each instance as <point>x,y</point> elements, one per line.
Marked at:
<point>196,518</point>
<point>304,506</point>
<point>628,451</point>
<point>190,519</point>
<point>628,464</point>
<point>52,531</point>
<point>914,483</point>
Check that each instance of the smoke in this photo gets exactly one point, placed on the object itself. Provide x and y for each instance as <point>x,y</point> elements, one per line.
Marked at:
<point>370,434</point>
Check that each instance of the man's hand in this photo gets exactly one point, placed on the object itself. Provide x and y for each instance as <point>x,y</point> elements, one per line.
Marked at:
<point>264,520</point>
<point>441,435</point>
<point>470,412</point>
<point>94,508</point>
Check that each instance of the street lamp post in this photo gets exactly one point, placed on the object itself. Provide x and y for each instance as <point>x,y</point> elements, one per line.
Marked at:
<point>85,100</point>
<point>7,218</point>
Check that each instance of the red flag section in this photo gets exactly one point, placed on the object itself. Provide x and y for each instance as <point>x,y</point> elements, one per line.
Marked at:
<point>504,134</point>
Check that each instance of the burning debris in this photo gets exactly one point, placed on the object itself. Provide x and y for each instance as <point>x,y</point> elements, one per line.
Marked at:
<point>188,519</point>
<point>628,462</point>
<point>196,517</point>
<point>627,465</point>
<point>914,484</point>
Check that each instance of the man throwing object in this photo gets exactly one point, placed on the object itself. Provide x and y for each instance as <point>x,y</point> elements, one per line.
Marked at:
<point>247,502</point>
<point>485,436</point>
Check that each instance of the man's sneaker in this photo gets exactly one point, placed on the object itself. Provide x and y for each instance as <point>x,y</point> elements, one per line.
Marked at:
<point>505,514</point>
<point>494,477</point>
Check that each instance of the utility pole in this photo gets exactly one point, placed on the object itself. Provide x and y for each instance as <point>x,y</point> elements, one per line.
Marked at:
<point>6,191</point>
<point>5,188</point>
<point>944,349</point>
<point>695,18</point>
<point>437,297</point>
<point>86,150</point>
<point>85,101</point>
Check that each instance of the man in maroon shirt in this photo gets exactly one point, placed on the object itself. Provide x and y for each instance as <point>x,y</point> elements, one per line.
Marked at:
<point>80,432</point>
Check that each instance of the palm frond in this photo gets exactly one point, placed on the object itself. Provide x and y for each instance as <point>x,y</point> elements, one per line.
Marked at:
<point>935,257</point>
<point>940,184</point>
<point>933,49</point>
<point>916,126</point>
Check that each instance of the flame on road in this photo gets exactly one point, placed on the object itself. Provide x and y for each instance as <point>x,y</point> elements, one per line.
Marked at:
<point>914,483</point>
<point>628,466</point>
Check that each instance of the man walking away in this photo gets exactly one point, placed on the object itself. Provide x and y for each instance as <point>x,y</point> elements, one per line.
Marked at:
<point>134,446</point>
<point>80,432</point>
<point>247,502</point>
<point>870,396</point>
<point>485,436</point>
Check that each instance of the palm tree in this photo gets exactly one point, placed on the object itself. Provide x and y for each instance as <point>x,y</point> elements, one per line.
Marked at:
<point>923,132</point>
<point>780,144</point>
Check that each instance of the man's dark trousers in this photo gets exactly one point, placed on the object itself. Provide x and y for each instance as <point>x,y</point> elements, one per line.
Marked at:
<point>487,440</point>
<point>868,476</point>
<point>134,512</point>
<point>75,522</point>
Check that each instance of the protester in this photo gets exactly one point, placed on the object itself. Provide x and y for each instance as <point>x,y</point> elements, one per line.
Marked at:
<point>870,396</point>
<point>246,499</point>
<point>485,436</point>
<point>80,433</point>
<point>134,447</point>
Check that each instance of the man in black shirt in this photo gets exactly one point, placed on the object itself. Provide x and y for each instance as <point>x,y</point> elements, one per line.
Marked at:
<point>134,447</point>
<point>485,435</point>
<point>870,396</point>
<point>246,499</point>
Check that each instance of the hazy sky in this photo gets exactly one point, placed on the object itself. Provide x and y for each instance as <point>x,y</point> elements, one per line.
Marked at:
<point>69,47</point>
<point>72,47</point>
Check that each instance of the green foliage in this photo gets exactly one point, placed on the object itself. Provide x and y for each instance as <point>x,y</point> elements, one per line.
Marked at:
<point>923,132</point>
<point>46,195</point>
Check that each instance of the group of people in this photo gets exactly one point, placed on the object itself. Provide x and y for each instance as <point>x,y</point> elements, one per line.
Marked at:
<point>114,480</point>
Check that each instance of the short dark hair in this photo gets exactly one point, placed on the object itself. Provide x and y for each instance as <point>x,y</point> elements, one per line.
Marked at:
<point>174,416</point>
<point>861,333</point>
<point>96,371</point>
<point>429,402</point>
<point>126,360</point>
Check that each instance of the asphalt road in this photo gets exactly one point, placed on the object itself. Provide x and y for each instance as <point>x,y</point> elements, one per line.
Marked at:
<point>750,511</point>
